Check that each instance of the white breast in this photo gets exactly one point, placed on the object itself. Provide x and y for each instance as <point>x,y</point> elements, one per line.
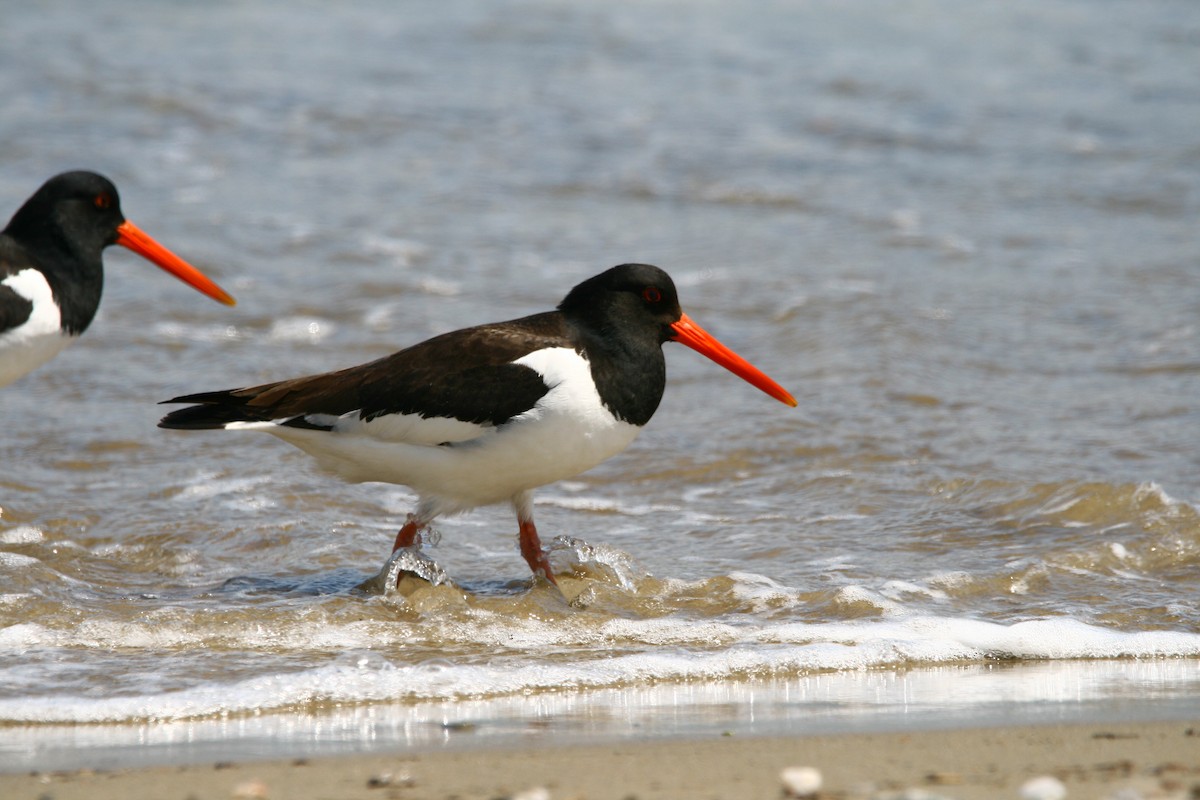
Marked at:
<point>38,339</point>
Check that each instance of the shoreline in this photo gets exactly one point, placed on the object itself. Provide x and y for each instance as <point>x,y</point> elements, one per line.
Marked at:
<point>1156,759</point>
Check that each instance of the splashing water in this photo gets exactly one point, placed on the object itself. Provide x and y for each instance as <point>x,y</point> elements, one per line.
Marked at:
<point>408,560</point>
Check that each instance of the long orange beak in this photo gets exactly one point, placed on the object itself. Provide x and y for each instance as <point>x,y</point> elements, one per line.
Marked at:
<point>131,236</point>
<point>689,333</point>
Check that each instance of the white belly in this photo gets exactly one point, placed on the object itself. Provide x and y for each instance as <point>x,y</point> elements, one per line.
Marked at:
<point>567,432</point>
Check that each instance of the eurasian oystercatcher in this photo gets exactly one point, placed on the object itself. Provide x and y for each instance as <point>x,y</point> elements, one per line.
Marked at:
<point>51,273</point>
<point>487,414</point>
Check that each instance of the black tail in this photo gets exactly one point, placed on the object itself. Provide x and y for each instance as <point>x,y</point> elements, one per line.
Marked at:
<point>216,410</point>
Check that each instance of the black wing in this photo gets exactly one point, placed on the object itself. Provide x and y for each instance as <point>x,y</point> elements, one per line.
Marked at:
<point>466,375</point>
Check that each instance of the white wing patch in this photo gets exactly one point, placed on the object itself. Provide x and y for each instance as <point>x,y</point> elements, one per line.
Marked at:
<point>39,338</point>
<point>411,428</point>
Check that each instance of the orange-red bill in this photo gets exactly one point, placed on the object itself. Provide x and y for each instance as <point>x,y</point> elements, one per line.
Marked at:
<point>689,333</point>
<point>131,236</point>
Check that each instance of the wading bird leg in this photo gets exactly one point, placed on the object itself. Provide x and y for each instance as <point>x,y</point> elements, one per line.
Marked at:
<point>531,549</point>
<point>409,534</point>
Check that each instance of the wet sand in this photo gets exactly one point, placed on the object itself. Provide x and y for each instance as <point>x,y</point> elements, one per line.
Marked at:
<point>1157,759</point>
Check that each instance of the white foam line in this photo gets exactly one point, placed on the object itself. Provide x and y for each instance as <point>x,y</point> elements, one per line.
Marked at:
<point>731,652</point>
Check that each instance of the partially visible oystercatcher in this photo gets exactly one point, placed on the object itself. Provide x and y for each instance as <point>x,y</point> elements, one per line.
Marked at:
<point>487,414</point>
<point>51,273</point>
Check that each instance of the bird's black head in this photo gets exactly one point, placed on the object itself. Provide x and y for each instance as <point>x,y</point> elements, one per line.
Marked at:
<point>632,310</point>
<point>637,299</point>
<point>65,227</point>
<point>77,212</point>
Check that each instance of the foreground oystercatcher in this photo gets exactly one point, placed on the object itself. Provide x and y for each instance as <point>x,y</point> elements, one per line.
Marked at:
<point>51,273</point>
<point>487,414</point>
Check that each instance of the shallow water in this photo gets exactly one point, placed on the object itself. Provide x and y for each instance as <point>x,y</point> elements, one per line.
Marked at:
<point>964,237</point>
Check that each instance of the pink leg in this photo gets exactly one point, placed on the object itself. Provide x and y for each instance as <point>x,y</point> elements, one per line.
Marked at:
<point>408,534</point>
<point>531,549</point>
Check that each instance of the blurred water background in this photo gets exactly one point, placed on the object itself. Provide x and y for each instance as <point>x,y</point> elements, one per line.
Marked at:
<point>964,235</point>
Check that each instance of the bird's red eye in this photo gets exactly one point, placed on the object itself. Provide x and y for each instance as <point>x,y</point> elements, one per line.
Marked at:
<point>651,295</point>
<point>102,200</point>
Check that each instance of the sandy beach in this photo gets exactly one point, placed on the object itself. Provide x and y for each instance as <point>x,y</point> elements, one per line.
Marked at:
<point>1095,760</point>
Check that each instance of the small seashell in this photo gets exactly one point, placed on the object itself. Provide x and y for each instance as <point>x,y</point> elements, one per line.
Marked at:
<point>1044,787</point>
<point>800,781</point>
<point>250,790</point>
<point>535,793</point>
<point>379,781</point>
